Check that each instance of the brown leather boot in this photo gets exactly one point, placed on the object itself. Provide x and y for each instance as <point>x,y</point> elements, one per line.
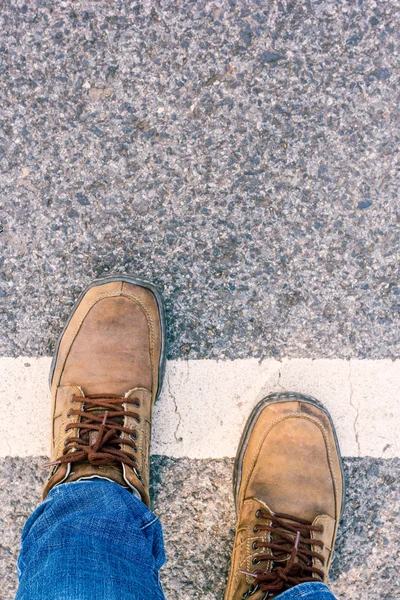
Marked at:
<point>105,377</point>
<point>288,486</point>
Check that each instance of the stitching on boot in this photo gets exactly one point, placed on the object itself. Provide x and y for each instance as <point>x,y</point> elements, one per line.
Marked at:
<point>324,434</point>
<point>63,357</point>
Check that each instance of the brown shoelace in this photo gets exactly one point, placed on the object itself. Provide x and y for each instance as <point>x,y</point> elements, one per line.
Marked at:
<point>289,549</point>
<point>100,425</point>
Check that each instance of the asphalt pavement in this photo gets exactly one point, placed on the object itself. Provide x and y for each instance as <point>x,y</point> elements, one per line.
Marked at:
<point>240,154</point>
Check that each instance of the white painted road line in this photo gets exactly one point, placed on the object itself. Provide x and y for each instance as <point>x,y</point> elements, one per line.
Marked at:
<point>205,403</point>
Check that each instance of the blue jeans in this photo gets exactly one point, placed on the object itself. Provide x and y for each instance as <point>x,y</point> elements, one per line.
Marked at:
<point>94,540</point>
<point>91,540</point>
<point>308,591</point>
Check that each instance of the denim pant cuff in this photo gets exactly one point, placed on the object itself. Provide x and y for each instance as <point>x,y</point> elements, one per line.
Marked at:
<point>308,591</point>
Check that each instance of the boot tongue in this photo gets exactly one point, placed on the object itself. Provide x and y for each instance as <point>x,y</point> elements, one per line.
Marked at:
<point>85,470</point>
<point>88,471</point>
<point>281,558</point>
<point>92,436</point>
<point>275,536</point>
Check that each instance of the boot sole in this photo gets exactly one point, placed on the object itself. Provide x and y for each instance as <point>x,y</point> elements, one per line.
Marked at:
<point>257,410</point>
<point>161,310</point>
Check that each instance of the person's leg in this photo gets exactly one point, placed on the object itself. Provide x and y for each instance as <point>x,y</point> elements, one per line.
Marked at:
<point>91,539</point>
<point>289,497</point>
<point>94,535</point>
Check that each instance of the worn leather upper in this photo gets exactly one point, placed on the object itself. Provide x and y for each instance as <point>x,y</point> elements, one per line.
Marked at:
<point>289,464</point>
<point>112,345</point>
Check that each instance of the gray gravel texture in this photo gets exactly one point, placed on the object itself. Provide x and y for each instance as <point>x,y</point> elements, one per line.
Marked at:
<point>193,499</point>
<point>240,154</point>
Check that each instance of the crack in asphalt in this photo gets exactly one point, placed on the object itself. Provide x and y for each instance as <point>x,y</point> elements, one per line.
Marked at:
<point>278,383</point>
<point>356,408</point>
<point>172,394</point>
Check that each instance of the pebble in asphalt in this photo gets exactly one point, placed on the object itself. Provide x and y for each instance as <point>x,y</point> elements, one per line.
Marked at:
<point>242,156</point>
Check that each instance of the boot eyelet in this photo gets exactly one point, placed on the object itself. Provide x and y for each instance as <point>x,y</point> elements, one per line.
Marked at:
<point>258,514</point>
<point>138,420</point>
<point>137,402</point>
<point>133,436</point>
<point>255,561</point>
<point>255,529</point>
<point>255,545</point>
